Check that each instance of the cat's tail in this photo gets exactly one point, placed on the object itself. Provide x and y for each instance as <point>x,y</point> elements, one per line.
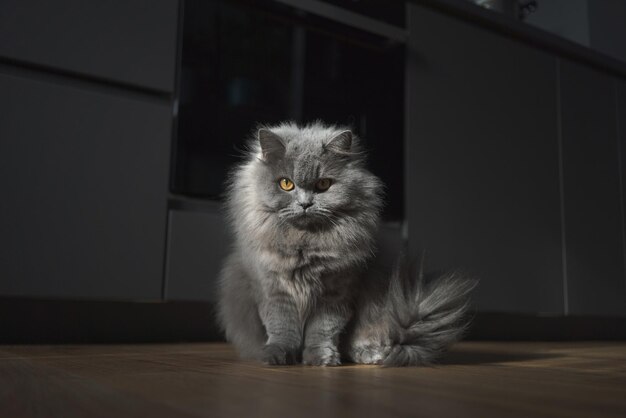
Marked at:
<point>417,319</point>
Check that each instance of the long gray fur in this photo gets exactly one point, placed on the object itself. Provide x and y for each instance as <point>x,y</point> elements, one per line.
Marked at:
<point>296,285</point>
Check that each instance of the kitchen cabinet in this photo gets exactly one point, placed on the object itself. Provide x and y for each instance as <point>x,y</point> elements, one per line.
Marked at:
<point>620,92</point>
<point>483,185</point>
<point>132,42</point>
<point>595,278</point>
<point>198,243</point>
<point>84,177</point>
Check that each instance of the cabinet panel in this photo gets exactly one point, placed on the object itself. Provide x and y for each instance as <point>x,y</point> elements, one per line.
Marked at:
<point>198,243</point>
<point>483,162</point>
<point>620,86</point>
<point>131,41</point>
<point>592,207</point>
<point>84,180</point>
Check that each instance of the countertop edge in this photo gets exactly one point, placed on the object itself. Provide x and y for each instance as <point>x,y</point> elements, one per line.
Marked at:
<point>526,33</point>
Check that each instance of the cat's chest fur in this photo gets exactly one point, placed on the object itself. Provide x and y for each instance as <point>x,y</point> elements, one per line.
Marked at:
<point>303,268</point>
<point>302,261</point>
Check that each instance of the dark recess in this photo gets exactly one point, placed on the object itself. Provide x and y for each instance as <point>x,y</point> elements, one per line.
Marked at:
<point>245,63</point>
<point>28,321</point>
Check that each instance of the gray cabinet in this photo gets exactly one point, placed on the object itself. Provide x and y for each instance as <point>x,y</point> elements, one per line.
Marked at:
<point>595,278</point>
<point>198,242</point>
<point>128,41</point>
<point>84,178</point>
<point>620,91</point>
<point>483,189</point>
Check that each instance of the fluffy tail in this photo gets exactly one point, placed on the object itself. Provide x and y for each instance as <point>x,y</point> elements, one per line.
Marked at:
<point>415,322</point>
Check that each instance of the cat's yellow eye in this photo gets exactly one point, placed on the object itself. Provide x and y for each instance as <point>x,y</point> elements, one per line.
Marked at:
<point>322,185</point>
<point>286,184</point>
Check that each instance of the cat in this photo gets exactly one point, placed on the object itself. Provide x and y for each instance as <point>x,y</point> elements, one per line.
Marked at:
<point>296,286</point>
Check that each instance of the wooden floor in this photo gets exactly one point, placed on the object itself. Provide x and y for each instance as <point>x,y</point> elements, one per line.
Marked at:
<point>477,379</point>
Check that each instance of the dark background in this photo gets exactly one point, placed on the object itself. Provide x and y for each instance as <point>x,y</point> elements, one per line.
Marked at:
<point>502,144</point>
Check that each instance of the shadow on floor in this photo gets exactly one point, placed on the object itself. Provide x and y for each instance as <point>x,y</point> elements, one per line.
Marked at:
<point>469,357</point>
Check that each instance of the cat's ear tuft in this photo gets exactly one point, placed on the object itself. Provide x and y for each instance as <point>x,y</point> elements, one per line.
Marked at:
<point>272,146</point>
<point>341,143</point>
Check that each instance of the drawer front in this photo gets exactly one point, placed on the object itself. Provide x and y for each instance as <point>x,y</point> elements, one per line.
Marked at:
<point>84,178</point>
<point>596,282</point>
<point>198,242</point>
<point>128,41</point>
<point>482,181</point>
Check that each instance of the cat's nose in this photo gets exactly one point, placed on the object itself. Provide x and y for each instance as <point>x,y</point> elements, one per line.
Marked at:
<point>305,205</point>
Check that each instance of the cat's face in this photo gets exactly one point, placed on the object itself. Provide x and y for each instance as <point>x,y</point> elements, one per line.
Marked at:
<point>307,183</point>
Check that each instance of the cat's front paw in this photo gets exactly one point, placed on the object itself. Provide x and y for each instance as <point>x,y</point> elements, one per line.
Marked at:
<point>368,354</point>
<point>326,355</point>
<point>278,355</point>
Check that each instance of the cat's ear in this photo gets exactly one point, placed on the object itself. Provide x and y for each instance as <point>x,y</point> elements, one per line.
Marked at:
<point>272,146</point>
<point>340,143</point>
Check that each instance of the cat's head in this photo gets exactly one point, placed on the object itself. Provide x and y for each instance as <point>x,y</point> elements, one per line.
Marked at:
<point>313,176</point>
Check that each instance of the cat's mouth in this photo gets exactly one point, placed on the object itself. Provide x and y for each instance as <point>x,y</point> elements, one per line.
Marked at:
<point>306,219</point>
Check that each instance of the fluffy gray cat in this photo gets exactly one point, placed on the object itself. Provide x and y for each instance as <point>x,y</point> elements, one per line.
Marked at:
<point>296,286</point>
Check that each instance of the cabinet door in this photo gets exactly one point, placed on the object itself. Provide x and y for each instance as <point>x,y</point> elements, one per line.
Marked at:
<point>592,201</point>
<point>129,41</point>
<point>620,86</point>
<point>198,243</point>
<point>84,178</point>
<point>483,162</point>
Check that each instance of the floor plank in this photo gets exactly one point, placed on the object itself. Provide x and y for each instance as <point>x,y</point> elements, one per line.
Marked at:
<point>476,379</point>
